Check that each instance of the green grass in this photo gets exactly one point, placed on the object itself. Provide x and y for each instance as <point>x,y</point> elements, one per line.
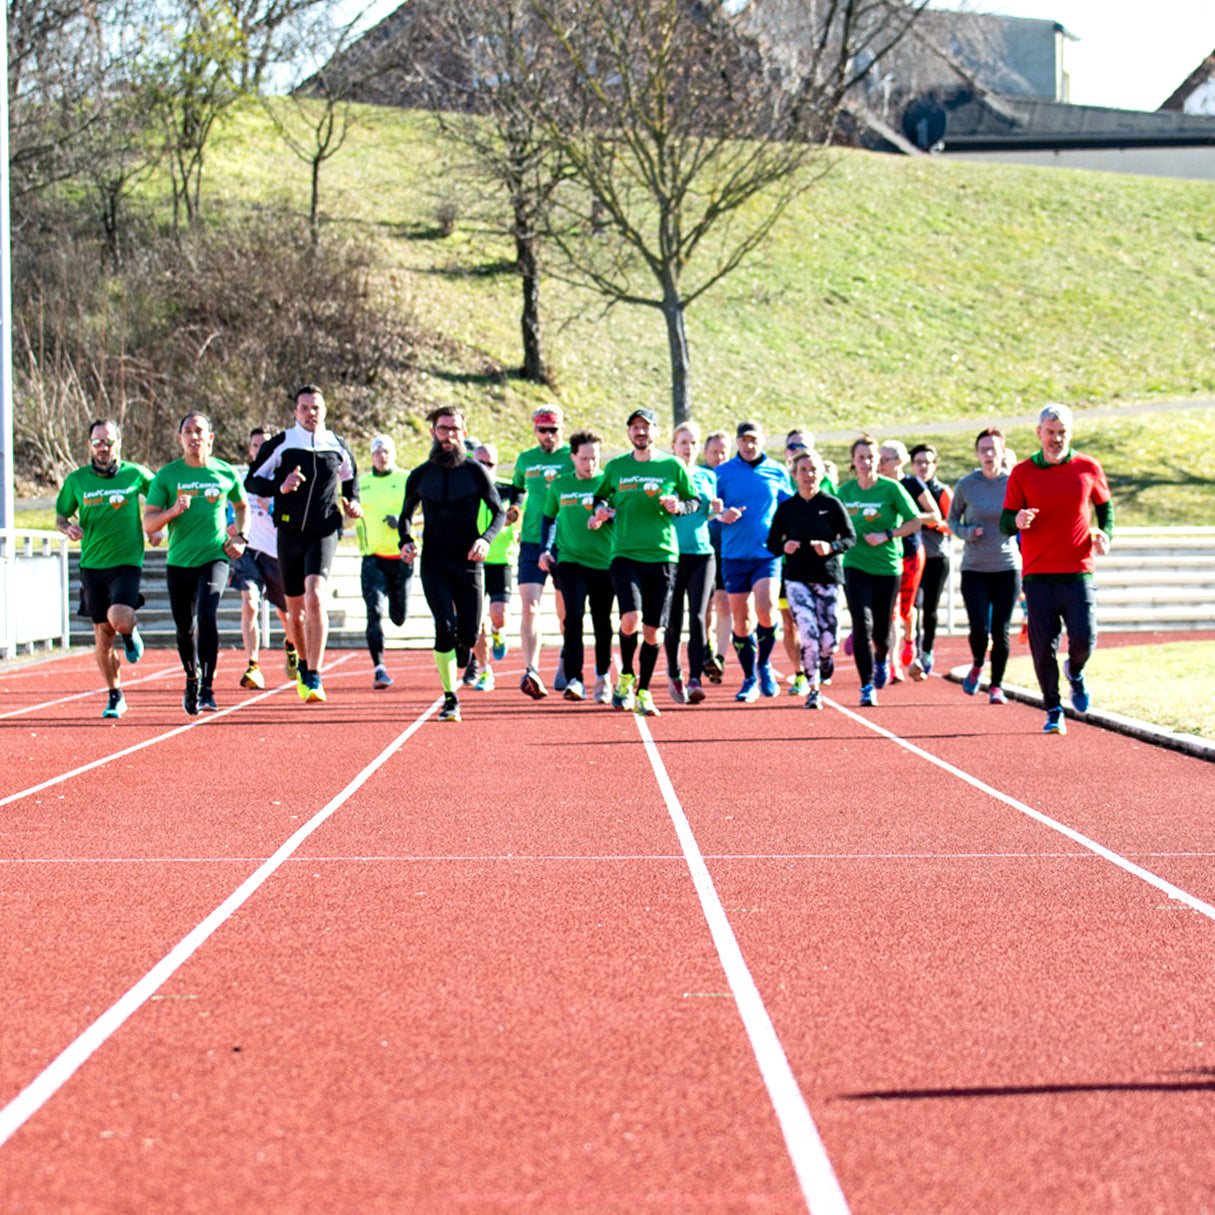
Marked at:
<point>1169,685</point>
<point>895,291</point>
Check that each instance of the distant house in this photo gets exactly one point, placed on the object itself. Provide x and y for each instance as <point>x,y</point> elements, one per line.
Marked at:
<point>1197,94</point>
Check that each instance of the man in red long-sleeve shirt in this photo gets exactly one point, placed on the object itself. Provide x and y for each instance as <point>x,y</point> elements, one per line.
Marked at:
<point>1050,500</point>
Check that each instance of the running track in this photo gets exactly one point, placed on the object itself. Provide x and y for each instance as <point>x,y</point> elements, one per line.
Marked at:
<point>343,958</point>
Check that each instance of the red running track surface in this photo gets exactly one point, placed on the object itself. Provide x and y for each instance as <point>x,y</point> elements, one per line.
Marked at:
<point>343,957</point>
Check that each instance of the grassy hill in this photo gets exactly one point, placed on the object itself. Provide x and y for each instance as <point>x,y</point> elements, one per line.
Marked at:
<point>896,292</point>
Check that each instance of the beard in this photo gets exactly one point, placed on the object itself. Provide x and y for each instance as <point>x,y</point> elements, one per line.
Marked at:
<point>443,458</point>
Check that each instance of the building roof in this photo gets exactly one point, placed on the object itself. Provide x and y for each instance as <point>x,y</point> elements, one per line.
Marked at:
<point>966,122</point>
<point>1197,94</point>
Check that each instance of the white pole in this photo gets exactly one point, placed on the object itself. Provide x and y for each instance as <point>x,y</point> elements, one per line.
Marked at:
<point>6,296</point>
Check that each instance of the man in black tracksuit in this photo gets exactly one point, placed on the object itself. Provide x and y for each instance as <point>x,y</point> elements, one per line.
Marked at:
<point>451,488</point>
<point>311,475</point>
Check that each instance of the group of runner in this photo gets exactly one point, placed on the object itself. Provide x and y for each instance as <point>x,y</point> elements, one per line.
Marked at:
<point>720,541</point>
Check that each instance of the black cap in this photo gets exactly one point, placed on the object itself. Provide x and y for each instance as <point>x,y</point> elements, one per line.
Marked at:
<point>748,428</point>
<point>648,414</point>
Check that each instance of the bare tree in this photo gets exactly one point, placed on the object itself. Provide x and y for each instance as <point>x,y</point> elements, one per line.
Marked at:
<point>477,65</point>
<point>314,119</point>
<point>688,126</point>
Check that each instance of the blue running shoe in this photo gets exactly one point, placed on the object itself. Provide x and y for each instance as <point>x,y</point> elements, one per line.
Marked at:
<point>1080,697</point>
<point>881,673</point>
<point>1055,723</point>
<point>970,685</point>
<point>767,680</point>
<point>499,647</point>
<point>116,705</point>
<point>132,644</point>
<point>749,692</point>
<point>868,696</point>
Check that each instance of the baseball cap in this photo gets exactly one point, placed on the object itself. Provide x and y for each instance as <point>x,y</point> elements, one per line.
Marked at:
<point>748,428</point>
<point>648,414</point>
<point>384,442</point>
<point>548,414</point>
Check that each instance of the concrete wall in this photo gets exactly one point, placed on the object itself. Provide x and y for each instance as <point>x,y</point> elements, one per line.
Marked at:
<point>1197,164</point>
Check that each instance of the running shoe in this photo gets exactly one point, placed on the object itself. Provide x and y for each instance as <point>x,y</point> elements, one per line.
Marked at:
<point>559,681</point>
<point>603,691</point>
<point>470,673</point>
<point>314,693</point>
<point>189,701</point>
<point>678,693</point>
<point>644,705</point>
<point>499,647</point>
<point>826,668</point>
<point>695,692</point>
<point>1080,697</point>
<point>117,704</point>
<point>622,697</point>
<point>714,668</point>
<point>749,692</point>
<point>896,673</point>
<point>995,696</point>
<point>206,701</point>
<point>907,654</point>
<point>380,678</point>
<point>485,681</point>
<point>881,674</point>
<point>291,663</point>
<point>301,683</point>
<point>451,707</point>
<point>767,680</point>
<point>1055,723</point>
<point>532,685</point>
<point>253,678</point>
<point>799,685</point>
<point>868,696</point>
<point>926,661</point>
<point>815,699</point>
<point>132,644</point>
<point>970,685</point>
<point>574,690</point>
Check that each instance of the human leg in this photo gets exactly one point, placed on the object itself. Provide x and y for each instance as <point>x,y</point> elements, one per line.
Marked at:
<point>1045,627</point>
<point>1005,590</point>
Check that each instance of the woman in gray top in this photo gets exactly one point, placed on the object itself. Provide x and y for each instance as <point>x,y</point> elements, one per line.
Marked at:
<point>991,562</point>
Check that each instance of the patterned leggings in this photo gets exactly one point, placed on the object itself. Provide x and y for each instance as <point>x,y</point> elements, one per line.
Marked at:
<point>813,608</point>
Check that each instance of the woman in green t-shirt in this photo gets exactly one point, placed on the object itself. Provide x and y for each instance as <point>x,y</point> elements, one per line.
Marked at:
<point>882,513</point>
<point>189,497</point>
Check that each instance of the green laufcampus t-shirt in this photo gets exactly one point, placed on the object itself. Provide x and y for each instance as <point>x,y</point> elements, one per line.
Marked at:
<point>107,509</point>
<point>197,535</point>
<point>572,502</point>
<point>884,505</point>
<point>645,530</point>
<point>534,472</point>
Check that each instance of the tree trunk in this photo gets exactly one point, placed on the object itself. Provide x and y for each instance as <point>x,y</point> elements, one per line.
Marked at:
<point>314,205</point>
<point>534,370</point>
<point>677,340</point>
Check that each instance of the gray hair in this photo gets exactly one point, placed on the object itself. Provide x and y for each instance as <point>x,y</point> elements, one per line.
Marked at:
<point>1056,413</point>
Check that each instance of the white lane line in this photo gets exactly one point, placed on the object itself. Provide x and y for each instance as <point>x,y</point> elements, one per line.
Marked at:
<point>98,692</point>
<point>1090,845</point>
<point>61,1069</point>
<point>202,720</point>
<point>819,1185</point>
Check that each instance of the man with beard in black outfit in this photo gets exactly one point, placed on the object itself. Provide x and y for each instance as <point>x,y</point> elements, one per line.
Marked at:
<point>450,487</point>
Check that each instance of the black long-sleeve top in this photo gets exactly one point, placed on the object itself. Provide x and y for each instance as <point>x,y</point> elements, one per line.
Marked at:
<point>823,517</point>
<point>451,500</point>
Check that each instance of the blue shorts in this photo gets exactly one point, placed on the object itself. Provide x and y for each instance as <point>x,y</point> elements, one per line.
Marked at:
<point>740,577</point>
<point>529,565</point>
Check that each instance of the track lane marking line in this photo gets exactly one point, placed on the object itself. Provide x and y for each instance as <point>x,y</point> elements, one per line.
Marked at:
<point>201,720</point>
<point>50,704</point>
<point>819,1185</point>
<point>70,1060</point>
<point>1077,837</point>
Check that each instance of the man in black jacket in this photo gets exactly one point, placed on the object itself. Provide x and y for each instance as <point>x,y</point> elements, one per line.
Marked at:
<point>311,475</point>
<point>451,488</point>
